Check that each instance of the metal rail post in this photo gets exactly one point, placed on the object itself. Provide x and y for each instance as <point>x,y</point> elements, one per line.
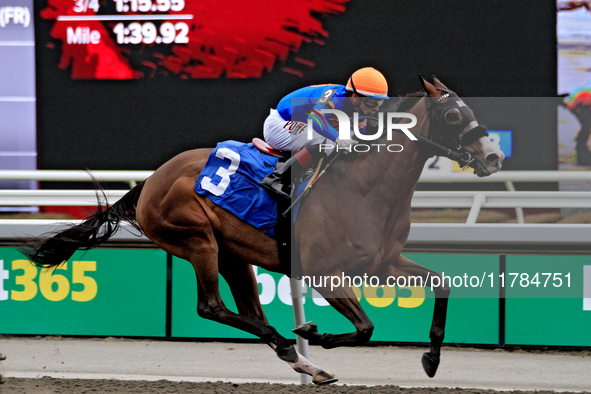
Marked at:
<point>479,200</point>
<point>299,317</point>
<point>518,210</point>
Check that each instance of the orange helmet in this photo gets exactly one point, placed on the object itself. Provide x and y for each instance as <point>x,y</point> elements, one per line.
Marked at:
<point>368,82</point>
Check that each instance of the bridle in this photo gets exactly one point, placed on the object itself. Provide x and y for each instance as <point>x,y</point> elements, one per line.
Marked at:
<point>457,124</point>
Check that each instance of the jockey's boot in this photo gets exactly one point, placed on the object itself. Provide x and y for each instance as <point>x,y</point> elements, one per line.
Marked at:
<point>278,183</point>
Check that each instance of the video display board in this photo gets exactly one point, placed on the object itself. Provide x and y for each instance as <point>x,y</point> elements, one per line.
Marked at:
<point>191,39</point>
<point>131,99</point>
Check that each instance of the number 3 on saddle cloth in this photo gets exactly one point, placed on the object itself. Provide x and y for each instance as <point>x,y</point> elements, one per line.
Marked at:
<point>231,179</point>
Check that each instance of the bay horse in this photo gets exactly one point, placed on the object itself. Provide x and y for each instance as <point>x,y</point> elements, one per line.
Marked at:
<point>354,221</point>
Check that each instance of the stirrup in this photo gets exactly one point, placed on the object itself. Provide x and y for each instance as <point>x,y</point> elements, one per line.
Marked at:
<point>279,181</point>
<point>274,185</point>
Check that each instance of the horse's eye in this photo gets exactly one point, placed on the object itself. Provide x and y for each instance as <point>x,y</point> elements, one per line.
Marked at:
<point>453,116</point>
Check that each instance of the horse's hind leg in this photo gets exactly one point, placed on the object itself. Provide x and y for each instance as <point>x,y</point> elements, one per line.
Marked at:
<point>244,287</point>
<point>344,301</point>
<point>188,233</point>
<point>245,290</point>
<point>405,267</point>
<point>210,305</point>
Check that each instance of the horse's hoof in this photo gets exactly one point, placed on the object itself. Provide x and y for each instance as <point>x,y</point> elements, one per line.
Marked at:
<point>430,364</point>
<point>323,378</point>
<point>306,330</point>
<point>288,354</point>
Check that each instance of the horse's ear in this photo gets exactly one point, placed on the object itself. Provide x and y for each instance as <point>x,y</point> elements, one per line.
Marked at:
<point>438,83</point>
<point>422,81</point>
<point>427,87</point>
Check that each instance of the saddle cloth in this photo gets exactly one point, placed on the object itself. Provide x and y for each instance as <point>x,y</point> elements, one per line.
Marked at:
<point>231,179</point>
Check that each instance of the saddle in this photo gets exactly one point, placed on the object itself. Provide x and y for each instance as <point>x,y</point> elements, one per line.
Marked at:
<point>265,148</point>
<point>303,156</point>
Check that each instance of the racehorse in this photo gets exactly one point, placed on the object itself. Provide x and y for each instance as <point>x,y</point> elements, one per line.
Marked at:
<point>354,221</point>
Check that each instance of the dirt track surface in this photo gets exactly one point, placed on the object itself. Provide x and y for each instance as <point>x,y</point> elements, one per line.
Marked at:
<point>75,386</point>
<point>47,365</point>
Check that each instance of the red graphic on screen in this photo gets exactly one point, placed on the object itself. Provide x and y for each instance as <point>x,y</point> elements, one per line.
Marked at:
<point>202,38</point>
<point>87,61</point>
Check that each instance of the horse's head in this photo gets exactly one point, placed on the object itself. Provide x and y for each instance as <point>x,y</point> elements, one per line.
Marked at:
<point>455,127</point>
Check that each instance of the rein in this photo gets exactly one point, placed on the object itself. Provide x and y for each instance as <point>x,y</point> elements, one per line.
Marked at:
<point>459,154</point>
<point>311,182</point>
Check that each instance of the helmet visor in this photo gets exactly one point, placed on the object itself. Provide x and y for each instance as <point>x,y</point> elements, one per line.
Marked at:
<point>372,102</point>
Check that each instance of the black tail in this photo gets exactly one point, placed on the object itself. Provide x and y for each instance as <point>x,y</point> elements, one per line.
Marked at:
<point>52,249</point>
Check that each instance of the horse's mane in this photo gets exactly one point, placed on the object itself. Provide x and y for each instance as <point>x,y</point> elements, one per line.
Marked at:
<point>410,100</point>
<point>396,104</point>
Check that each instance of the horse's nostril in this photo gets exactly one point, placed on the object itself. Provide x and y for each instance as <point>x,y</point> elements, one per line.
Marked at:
<point>493,158</point>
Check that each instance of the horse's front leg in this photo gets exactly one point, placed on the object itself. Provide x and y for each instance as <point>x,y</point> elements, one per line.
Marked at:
<point>243,284</point>
<point>405,267</point>
<point>344,301</point>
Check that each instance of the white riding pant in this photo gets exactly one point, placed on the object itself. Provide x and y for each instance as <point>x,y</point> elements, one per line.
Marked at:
<point>291,135</point>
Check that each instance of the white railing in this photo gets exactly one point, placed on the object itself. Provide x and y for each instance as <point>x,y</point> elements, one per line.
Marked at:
<point>87,198</point>
<point>509,176</point>
<point>509,199</point>
<point>130,177</point>
<point>457,177</point>
<point>473,200</point>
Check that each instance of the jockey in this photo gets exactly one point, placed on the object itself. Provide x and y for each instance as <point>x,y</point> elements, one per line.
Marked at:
<point>579,104</point>
<point>286,127</point>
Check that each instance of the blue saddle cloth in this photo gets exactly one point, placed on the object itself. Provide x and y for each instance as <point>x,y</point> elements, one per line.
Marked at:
<point>231,179</point>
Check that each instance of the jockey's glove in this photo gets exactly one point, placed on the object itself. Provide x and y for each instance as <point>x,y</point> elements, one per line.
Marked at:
<point>345,146</point>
